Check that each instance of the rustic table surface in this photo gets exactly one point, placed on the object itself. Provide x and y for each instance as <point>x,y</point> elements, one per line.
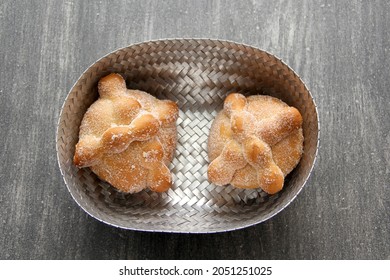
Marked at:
<point>341,49</point>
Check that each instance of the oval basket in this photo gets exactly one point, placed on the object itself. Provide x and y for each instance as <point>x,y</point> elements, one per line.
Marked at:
<point>197,74</point>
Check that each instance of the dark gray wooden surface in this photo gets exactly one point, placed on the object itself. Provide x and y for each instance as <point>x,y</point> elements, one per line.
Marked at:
<point>341,50</point>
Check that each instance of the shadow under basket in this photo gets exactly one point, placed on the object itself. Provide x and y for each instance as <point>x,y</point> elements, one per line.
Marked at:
<point>197,74</point>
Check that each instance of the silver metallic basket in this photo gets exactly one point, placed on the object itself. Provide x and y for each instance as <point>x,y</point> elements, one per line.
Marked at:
<point>197,74</point>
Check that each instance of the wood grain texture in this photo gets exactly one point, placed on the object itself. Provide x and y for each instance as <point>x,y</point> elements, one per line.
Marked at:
<point>341,50</point>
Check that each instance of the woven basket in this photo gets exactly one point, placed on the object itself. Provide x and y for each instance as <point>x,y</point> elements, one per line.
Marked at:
<point>197,74</point>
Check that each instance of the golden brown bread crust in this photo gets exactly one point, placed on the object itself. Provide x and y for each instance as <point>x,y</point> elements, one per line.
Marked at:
<point>254,142</point>
<point>128,137</point>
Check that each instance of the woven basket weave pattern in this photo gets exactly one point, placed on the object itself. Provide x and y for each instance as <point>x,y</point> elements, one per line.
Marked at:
<point>197,74</point>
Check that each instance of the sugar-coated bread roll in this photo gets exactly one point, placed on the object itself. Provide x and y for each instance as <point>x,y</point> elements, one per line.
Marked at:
<point>128,137</point>
<point>254,142</point>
